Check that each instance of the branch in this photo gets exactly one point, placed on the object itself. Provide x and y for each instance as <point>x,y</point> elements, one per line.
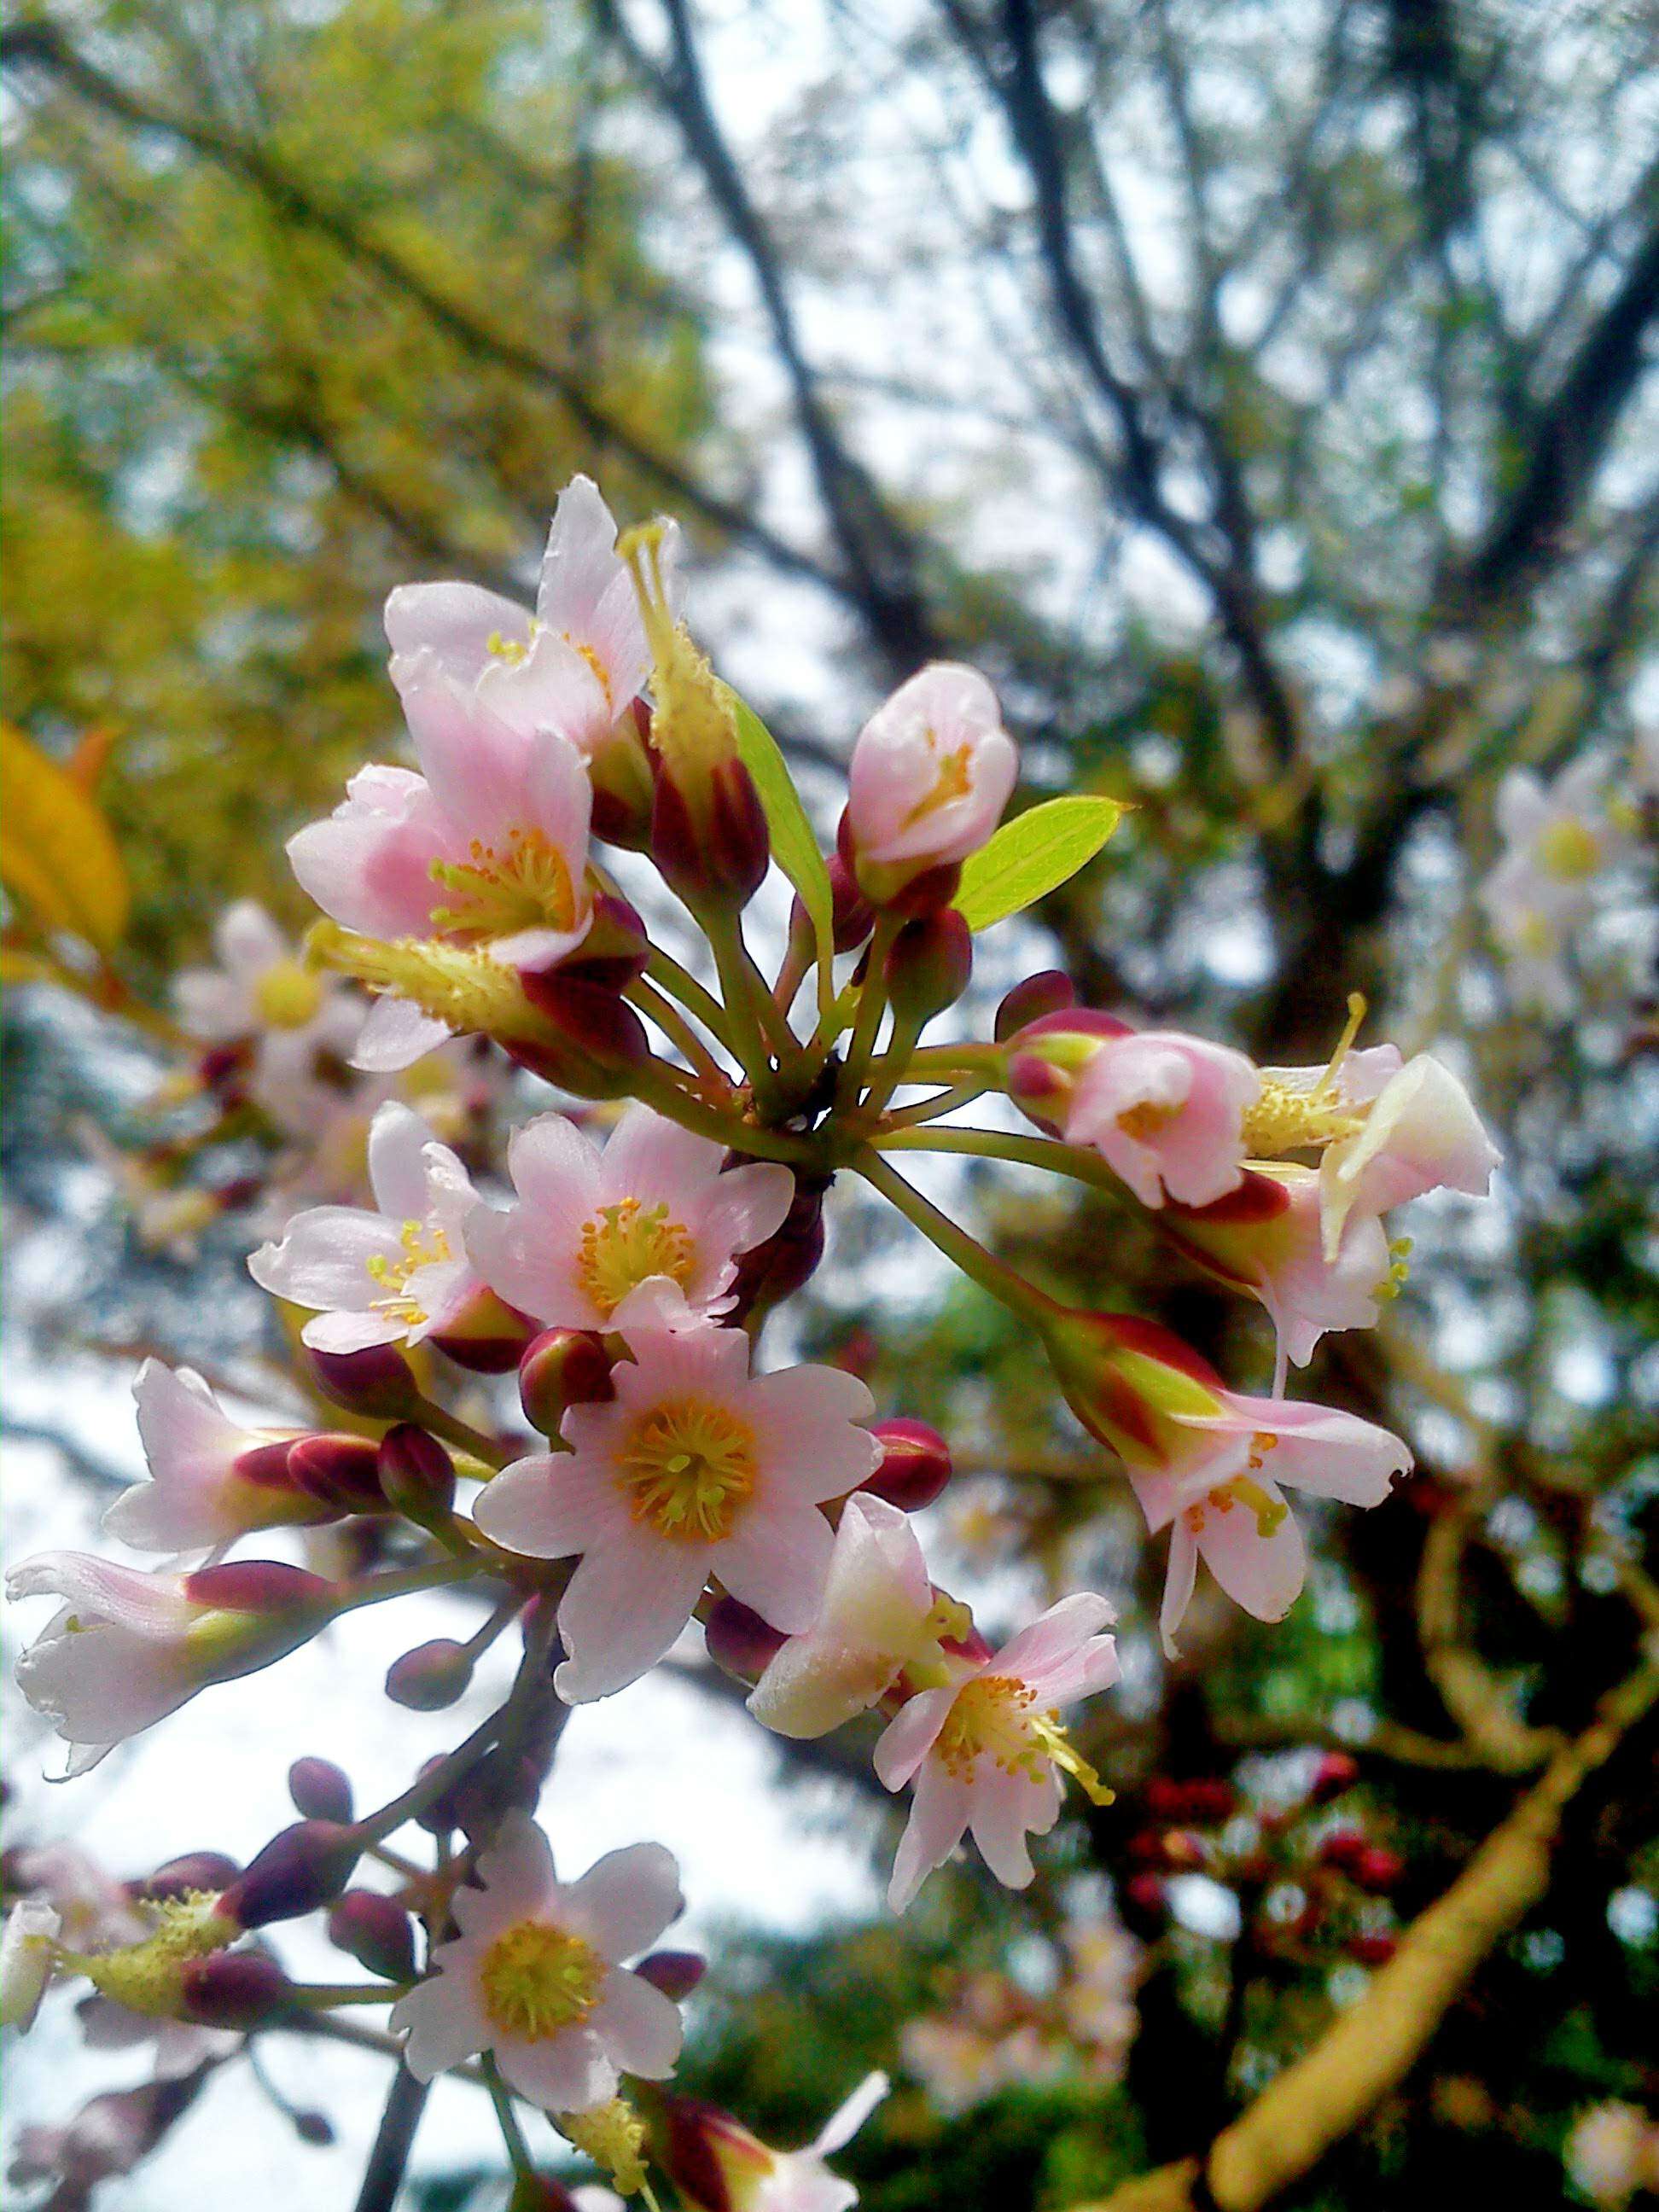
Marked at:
<point>1371,2048</point>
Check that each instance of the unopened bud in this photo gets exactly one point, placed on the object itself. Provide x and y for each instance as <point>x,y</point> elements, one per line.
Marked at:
<point>928,967</point>
<point>484,1334</point>
<point>337,1470</point>
<point>300,1869</point>
<point>776,1268</point>
<point>1335,1774</point>
<point>676,1973</point>
<point>430,1677</point>
<point>615,950</point>
<point>375,1931</point>
<point>915,1464</point>
<point>712,2159</point>
<point>319,1790</point>
<point>1145,1899</point>
<point>259,1586</point>
<point>1341,1847</point>
<point>1376,1869</point>
<point>417,1474</point>
<point>1372,1950</point>
<point>193,1874</point>
<point>739,1642</point>
<point>559,1369</point>
<point>619,769</point>
<point>313,2127</point>
<point>595,1040</point>
<point>708,834</point>
<point>1034,996</point>
<point>853,916</point>
<point>377,1381</point>
<point>237,1989</point>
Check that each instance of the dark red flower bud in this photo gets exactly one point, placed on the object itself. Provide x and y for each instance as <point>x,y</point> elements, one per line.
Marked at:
<point>1050,992</point>
<point>1372,1950</point>
<point>338,1470</point>
<point>710,844</point>
<point>1145,1897</point>
<point>1376,1869</point>
<point>559,1369</point>
<point>1336,1773</point>
<point>852,916</point>
<point>266,1465</point>
<point>238,1990</point>
<point>319,1790</point>
<point>300,1869</point>
<point>486,1335</point>
<point>259,1586</point>
<point>430,1677</point>
<point>1210,1801</point>
<point>739,1642</point>
<point>377,1381</point>
<point>599,1042</point>
<point>928,966</point>
<point>1341,1847</point>
<point>375,1931</point>
<point>676,1973</point>
<point>417,1474</point>
<point>1165,1798</point>
<point>193,1874</point>
<point>915,1464</point>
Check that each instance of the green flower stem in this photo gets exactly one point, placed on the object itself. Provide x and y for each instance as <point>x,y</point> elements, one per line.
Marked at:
<point>873,999</point>
<point>665,970</point>
<point>952,1063</point>
<point>885,1080</point>
<point>1073,1160</point>
<point>378,1589</point>
<point>323,1996</point>
<point>929,1110</point>
<point>518,2150</point>
<point>653,1085</point>
<point>454,1431</point>
<point>983,1267</point>
<point>673,1024</point>
<point>759,1030</point>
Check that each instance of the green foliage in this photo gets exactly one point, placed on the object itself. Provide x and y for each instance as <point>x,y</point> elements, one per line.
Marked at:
<point>1034,855</point>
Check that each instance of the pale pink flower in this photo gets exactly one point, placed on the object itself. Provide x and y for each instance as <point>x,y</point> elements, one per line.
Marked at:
<point>28,1959</point>
<point>647,1230</point>
<point>536,1978</point>
<point>1275,1250</point>
<point>696,1467</point>
<point>931,773</point>
<point>395,1274</point>
<point>1613,2154</point>
<point>208,1482</point>
<point>986,1753</point>
<point>1166,1112</point>
<point>488,846</point>
<point>260,993</point>
<point>879,1614</point>
<point>1562,844</point>
<point>719,2165</point>
<point>1420,1132</point>
<point>574,665</point>
<point>127,1648</point>
<point>1223,1502</point>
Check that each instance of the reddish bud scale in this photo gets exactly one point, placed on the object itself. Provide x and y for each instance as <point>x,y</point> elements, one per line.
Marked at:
<point>710,845</point>
<point>852,917</point>
<point>259,1586</point>
<point>712,2159</point>
<point>238,1990</point>
<point>1335,1774</point>
<point>915,1464</point>
<point>377,1381</point>
<point>921,894</point>
<point>929,965</point>
<point>738,1641</point>
<point>265,1466</point>
<point>375,1931</point>
<point>599,1039</point>
<point>559,1369</point>
<point>300,1869</point>
<point>1031,1000</point>
<point>1376,1869</point>
<point>417,1475</point>
<point>319,1790</point>
<point>615,950</point>
<point>338,1470</point>
<point>1372,1950</point>
<point>676,1973</point>
<point>486,1336</point>
<point>770,1272</point>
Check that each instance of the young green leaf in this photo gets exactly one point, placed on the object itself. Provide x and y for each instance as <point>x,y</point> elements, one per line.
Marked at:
<point>1034,855</point>
<point>794,847</point>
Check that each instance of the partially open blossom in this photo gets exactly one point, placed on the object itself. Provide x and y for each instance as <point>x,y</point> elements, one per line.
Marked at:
<point>1166,1112</point>
<point>1420,1134</point>
<point>259,992</point>
<point>931,773</point>
<point>718,2166</point>
<point>127,1648</point>
<point>384,1278</point>
<point>1222,1501</point>
<point>210,1479</point>
<point>986,1752</point>
<point>879,1614</point>
<point>647,1230</point>
<point>488,848</point>
<point>694,1467</point>
<point>536,1978</point>
<point>1267,1239</point>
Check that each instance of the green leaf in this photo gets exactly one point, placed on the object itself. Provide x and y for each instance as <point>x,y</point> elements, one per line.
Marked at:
<point>1034,855</point>
<point>794,847</point>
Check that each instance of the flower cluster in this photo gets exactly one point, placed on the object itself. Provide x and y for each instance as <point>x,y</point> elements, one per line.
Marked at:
<point>664,1472</point>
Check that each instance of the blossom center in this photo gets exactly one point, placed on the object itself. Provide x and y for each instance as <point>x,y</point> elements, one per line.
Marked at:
<point>499,892</point>
<point>512,650</point>
<point>1242,1491</point>
<point>423,1246</point>
<point>688,1470</point>
<point>287,996</point>
<point>1282,1119</point>
<point>1148,1118</point>
<point>953,778</point>
<point>625,1243</point>
<point>1569,850</point>
<point>992,1718</point>
<point>536,1980</point>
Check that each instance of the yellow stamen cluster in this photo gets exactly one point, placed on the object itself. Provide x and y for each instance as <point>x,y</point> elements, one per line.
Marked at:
<point>1570,850</point>
<point>625,1243</point>
<point>421,1247</point>
<point>536,1980</point>
<point>992,1718</point>
<point>693,725</point>
<point>953,777</point>
<point>1284,1119</point>
<point>1241,1491</point>
<point>456,984</point>
<point>613,2137</point>
<point>147,1978</point>
<point>688,1470</point>
<point>287,995</point>
<point>1395,1281</point>
<point>497,894</point>
<point>1147,1118</point>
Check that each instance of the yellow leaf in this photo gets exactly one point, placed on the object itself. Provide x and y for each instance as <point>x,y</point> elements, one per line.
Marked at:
<point>58,857</point>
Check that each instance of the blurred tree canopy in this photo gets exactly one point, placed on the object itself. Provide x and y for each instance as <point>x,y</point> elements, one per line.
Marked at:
<point>1259,391</point>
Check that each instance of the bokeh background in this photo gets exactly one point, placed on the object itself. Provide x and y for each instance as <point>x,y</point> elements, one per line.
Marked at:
<point>1256,391</point>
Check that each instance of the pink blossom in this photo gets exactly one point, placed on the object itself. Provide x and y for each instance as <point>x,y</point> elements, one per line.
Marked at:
<point>260,992</point>
<point>388,1276</point>
<point>1421,1132</point>
<point>575,664</point>
<point>487,846</point>
<point>1223,1501</point>
<point>647,1230</point>
<point>719,2166</point>
<point>985,1753</point>
<point>206,1483</point>
<point>931,773</point>
<point>879,1614</point>
<point>536,1977</point>
<point>1165,1112</point>
<point>696,1467</point>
